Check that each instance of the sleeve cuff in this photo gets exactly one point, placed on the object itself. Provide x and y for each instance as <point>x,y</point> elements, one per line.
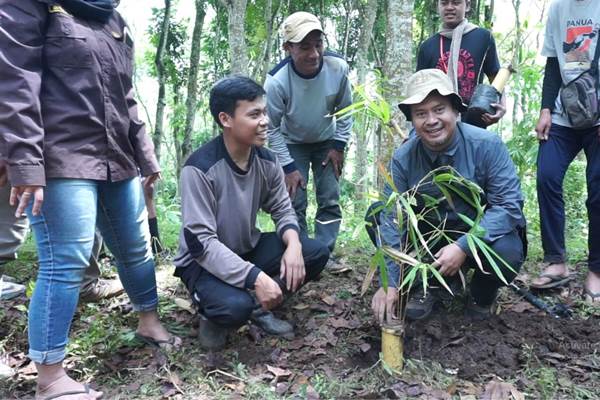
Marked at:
<point>251,277</point>
<point>289,168</point>
<point>464,245</point>
<point>339,145</point>
<point>26,175</point>
<point>286,227</point>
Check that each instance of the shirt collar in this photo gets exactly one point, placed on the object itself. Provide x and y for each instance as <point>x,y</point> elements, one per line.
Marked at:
<point>450,151</point>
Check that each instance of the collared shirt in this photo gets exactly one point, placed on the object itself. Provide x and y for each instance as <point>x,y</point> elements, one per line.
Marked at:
<point>479,156</point>
<point>66,97</point>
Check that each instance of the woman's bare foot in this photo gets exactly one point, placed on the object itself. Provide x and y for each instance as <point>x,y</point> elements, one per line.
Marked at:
<point>592,288</point>
<point>151,329</point>
<point>66,385</point>
<point>552,273</point>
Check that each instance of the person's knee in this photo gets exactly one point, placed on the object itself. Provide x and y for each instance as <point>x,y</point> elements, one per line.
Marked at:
<point>510,249</point>
<point>233,312</point>
<point>548,177</point>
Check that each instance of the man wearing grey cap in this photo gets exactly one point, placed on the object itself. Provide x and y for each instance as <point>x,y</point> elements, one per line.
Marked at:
<point>479,156</point>
<point>303,92</point>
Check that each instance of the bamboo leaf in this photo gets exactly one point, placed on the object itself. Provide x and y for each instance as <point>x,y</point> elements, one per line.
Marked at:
<point>400,256</point>
<point>492,262</point>
<point>368,279</point>
<point>412,219</point>
<point>380,261</point>
<point>424,279</point>
<point>409,278</point>
<point>387,177</point>
<point>439,278</point>
<point>473,249</point>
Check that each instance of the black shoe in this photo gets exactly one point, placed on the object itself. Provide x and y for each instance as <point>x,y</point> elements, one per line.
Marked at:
<point>210,335</point>
<point>271,324</point>
<point>419,306</point>
<point>479,312</point>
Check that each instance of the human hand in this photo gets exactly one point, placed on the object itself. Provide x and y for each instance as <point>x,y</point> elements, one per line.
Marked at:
<point>490,119</point>
<point>148,184</point>
<point>336,158</point>
<point>293,180</point>
<point>292,266</point>
<point>384,304</point>
<point>543,125</point>
<point>21,195</point>
<point>450,258</point>
<point>268,291</point>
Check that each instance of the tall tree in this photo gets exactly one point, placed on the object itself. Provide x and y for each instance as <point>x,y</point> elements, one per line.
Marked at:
<point>270,14</point>
<point>236,15</point>
<point>369,13</point>
<point>191,102</point>
<point>158,134</point>
<point>397,66</point>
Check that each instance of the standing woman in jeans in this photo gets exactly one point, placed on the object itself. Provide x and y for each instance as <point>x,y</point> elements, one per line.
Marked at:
<point>75,147</point>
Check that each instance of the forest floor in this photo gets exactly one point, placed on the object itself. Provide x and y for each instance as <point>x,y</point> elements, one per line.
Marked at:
<point>519,353</point>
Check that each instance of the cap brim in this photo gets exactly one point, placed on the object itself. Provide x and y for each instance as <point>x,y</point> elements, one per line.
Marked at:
<point>305,30</point>
<point>418,98</point>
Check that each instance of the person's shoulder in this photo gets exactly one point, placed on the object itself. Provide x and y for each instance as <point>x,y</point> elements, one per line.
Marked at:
<point>480,137</point>
<point>334,60</point>
<point>205,157</point>
<point>430,41</point>
<point>406,149</point>
<point>280,67</point>
<point>265,155</point>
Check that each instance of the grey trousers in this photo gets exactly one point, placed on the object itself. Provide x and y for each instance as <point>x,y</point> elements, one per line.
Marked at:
<point>13,232</point>
<point>327,189</point>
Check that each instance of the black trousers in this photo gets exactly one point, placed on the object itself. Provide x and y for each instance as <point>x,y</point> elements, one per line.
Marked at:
<point>230,306</point>
<point>484,285</point>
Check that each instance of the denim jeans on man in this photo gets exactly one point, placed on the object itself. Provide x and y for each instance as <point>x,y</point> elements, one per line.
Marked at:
<point>64,233</point>
<point>327,189</point>
<point>554,157</point>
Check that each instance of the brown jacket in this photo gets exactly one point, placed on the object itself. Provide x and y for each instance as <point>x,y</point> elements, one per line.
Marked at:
<point>66,98</point>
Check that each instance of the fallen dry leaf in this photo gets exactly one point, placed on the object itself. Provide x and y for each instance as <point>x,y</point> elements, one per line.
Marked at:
<point>364,347</point>
<point>301,306</point>
<point>496,390</point>
<point>279,373</point>
<point>329,300</point>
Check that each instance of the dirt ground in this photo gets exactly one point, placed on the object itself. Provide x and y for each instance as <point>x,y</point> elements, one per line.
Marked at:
<point>335,353</point>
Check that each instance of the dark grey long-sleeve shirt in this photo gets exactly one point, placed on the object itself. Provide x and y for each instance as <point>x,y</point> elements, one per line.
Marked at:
<point>479,156</point>
<point>219,204</point>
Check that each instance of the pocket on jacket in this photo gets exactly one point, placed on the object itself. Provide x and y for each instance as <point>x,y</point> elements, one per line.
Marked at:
<point>67,51</point>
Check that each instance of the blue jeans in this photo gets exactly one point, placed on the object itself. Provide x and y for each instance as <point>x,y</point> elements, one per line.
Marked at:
<point>64,233</point>
<point>554,157</point>
<point>327,189</point>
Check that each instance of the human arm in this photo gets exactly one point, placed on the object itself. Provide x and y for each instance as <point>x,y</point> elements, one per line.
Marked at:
<point>503,212</point>
<point>292,261</point>
<point>21,126</point>
<point>198,209</point>
<point>275,111</point>
<point>550,90</point>
<point>390,233</point>
<point>491,66</point>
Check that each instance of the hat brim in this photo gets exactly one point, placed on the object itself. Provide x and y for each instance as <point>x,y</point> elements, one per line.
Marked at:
<point>419,97</point>
<point>305,30</point>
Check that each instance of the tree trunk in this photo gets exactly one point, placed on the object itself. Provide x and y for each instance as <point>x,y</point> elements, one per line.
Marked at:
<point>236,15</point>
<point>369,14</point>
<point>397,66</point>
<point>270,15</point>
<point>157,137</point>
<point>191,102</point>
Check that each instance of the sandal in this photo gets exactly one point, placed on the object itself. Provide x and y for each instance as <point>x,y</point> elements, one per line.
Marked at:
<point>555,281</point>
<point>173,343</point>
<point>86,390</point>
<point>591,295</point>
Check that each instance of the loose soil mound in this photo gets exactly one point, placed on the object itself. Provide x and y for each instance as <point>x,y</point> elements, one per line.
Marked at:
<point>505,343</point>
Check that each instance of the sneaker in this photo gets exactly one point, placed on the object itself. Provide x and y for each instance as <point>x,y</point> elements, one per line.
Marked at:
<point>269,323</point>
<point>100,290</point>
<point>210,335</point>
<point>479,312</point>
<point>10,290</point>
<point>419,306</point>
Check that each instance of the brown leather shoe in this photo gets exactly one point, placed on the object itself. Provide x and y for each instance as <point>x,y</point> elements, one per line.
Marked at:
<point>100,290</point>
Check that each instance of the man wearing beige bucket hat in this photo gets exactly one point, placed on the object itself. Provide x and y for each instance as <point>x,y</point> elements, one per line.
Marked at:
<point>479,156</point>
<point>303,92</point>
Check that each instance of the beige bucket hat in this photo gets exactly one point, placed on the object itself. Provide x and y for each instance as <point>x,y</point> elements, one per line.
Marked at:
<point>422,83</point>
<point>298,25</point>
